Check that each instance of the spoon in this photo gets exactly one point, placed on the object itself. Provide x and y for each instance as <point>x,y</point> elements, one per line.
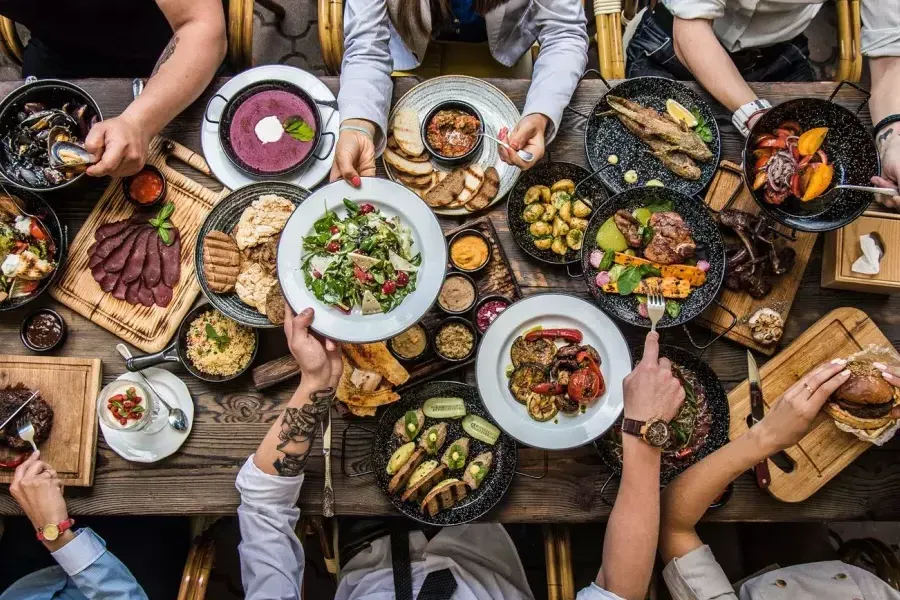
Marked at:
<point>866,188</point>
<point>523,154</point>
<point>177,419</point>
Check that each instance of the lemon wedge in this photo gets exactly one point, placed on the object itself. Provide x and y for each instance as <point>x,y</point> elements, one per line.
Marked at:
<point>680,113</point>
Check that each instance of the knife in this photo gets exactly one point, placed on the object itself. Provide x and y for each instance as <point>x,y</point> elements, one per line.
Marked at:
<point>18,410</point>
<point>757,412</point>
<point>328,498</point>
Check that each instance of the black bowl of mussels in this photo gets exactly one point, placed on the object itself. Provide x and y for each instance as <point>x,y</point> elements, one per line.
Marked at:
<point>43,125</point>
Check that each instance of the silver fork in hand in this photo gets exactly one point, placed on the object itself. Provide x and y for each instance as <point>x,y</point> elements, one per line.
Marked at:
<point>26,432</point>
<point>656,308</point>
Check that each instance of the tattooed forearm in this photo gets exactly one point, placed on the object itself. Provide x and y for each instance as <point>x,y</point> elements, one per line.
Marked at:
<point>167,53</point>
<point>298,430</point>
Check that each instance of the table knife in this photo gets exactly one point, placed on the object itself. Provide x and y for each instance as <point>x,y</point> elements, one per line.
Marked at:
<point>328,498</point>
<point>18,410</point>
<point>757,412</point>
<point>757,408</point>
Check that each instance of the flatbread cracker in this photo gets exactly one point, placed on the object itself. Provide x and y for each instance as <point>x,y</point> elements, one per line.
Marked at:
<point>405,165</point>
<point>376,357</point>
<point>420,181</point>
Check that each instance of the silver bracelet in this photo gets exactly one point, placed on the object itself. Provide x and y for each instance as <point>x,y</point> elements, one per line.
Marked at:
<point>356,128</point>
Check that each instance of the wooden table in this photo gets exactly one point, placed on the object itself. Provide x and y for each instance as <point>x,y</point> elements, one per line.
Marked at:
<point>231,419</point>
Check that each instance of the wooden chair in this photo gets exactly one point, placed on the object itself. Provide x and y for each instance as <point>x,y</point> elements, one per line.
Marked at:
<point>239,28</point>
<point>558,557</point>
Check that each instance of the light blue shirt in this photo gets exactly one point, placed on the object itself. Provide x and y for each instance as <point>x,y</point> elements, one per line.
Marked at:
<point>86,571</point>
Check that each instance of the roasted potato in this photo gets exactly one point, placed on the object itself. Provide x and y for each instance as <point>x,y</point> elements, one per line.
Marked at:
<point>543,243</point>
<point>580,208</point>
<point>564,185</point>
<point>539,229</point>
<point>559,246</point>
<point>533,212</point>
<point>560,228</point>
<point>574,239</point>
<point>565,211</point>
<point>579,224</point>
<point>560,198</point>
<point>537,193</point>
<point>549,212</point>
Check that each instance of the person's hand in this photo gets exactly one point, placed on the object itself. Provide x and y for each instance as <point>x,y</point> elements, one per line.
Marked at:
<point>651,390</point>
<point>39,491</point>
<point>791,416</point>
<point>120,144</point>
<point>355,154</point>
<point>528,134</point>
<point>319,362</point>
<point>888,141</point>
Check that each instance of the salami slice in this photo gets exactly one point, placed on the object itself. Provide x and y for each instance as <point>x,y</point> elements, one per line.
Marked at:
<point>162,294</point>
<point>153,263</point>
<point>131,294</point>
<point>134,265</point>
<point>111,229</point>
<point>171,259</point>
<point>115,262</point>
<point>119,291</point>
<point>144,294</point>
<point>106,247</point>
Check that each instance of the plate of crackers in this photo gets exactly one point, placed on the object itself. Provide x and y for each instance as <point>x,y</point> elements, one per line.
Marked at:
<point>459,189</point>
<point>236,251</point>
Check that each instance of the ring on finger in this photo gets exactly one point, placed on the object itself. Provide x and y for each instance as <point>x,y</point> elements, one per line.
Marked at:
<point>808,389</point>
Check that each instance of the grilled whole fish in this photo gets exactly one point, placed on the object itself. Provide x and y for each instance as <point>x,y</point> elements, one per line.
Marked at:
<point>664,127</point>
<point>671,157</point>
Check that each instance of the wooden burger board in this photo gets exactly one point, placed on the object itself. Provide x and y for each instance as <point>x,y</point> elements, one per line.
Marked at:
<point>146,328</point>
<point>71,387</point>
<point>825,450</point>
<point>728,178</point>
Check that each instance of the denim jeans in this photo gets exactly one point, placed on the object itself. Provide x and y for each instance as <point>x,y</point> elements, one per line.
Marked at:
<point>651,52</point>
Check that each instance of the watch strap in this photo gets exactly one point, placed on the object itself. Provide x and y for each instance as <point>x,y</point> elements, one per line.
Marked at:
<point>62,526</point>
<point>888,120</point>
<point>632,426</point>
<point>742,115</point>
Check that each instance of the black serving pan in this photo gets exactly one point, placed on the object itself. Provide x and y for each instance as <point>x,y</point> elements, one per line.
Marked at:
<point>37,206</point>
<point>589,188</point>
<point>605,136</point>
<point>848,145</point>
<point>177,352</point>
<point>224,217</point>
<point>716,399</point>
<point>235,102</point>
<point>476,503</point>
<point>705,232</point>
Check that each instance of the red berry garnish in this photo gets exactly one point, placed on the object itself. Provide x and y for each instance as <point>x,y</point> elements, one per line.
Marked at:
<point>128,404</point>
<point>123,421</point>
<point>402,279</point>
<point>333,246</point>
<point>366,208</point>
<point>117,398</point>
<point>389,287</point>
<point>334,229</point>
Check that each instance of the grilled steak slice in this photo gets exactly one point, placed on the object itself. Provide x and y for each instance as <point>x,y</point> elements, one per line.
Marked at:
<point>39,412</point>
<point>672,242</point>
<point>115,262</point>
<point>106,247</point>
<point>171,259</point>
<point>111,229</point>
<point>153,264</point>
<point>443,496</point>
<point>121,288</point>
<point>162,294</point>
<point>629,227</point>
<point>131,293</point>
<point>402,476</point>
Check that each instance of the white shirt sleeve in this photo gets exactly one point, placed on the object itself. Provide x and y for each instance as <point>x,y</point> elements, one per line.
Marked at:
<point>272,558</point>
<point>881,28</point>
<point>595,592</point>
<point>696,9</point>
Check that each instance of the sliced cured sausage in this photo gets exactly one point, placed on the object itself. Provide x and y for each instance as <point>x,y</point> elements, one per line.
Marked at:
<point>134,264</point>
<point>121,288</point>
<point>153,262</point>
<point>162,294</point>
<point>111,229</point>
<point>144,294</point>
<point>115,262</point>
<point>171,259</point>
<point>106,247</point>
<point>109,281</point>
<point>98,273</point>
<point>131,294</point>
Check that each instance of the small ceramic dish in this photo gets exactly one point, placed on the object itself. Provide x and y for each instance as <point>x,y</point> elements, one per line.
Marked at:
<point>453,161</point>
<point>481,302</point>
<point>58,332</point>
<point>466,233</point>
<point>451,321</point>
<point>146,172</point>
<point>468,306</point>
<point>410,359</point>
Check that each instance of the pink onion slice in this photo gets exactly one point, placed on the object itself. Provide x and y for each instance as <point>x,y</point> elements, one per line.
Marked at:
<point>595,258</point>
<point>703,265</point>
<point>602,278</point>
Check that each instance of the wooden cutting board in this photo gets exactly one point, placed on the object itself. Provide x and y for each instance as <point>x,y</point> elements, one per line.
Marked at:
<point>825,450</point>
<point>146,328</point>
<point>71,386</point>
<point>729,182</point>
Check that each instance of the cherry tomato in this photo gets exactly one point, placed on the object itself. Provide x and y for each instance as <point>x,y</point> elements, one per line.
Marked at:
<point>123,421</point>
<point>333,246</point>
<point>389,287</point>
<point>334,229</point>
<point>109,406</point>
<point>773,143</point>
<point>128,404</point>
<point>361,275</point>
<point>402,279</point>
<point>117,398</point>
<point>366,208</point>
<point>36,231</point>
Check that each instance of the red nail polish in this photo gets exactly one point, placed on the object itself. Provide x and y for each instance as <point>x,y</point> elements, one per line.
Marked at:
<point>356,181</point>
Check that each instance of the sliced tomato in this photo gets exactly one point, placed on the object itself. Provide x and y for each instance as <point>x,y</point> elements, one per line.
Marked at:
<point>761,162</point>
<point>795,184</point>
<point>36,231</point>
<point>783,133</point>
<point>773,143</point>
<point>763,137</point>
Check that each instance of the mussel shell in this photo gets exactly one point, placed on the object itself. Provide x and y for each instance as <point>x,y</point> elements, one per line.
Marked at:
<point>58,134</point>
<point>67,155</point>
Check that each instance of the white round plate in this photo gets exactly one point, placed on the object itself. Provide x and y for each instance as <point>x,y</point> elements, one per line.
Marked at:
<point>552,311</point>
<point>391,199</point>
<point>148,448</point>
<point>496,109</point>
<point>232,177</point>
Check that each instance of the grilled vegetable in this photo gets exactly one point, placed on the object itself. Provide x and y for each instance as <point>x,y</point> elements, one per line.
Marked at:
<point>444,408</point>
<point>669,287</point>
<point>541,408</point>
<point>480,429</point>
<point>400,457</point>
<point>537,350</point>
<point>695,276</point>
<point>524,378</point>
<point>421,471</point>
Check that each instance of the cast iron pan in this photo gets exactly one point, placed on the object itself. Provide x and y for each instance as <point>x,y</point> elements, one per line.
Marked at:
<point>716,399</point>
<point>705,232</point>
<point>177,352</point>
<point>492,489</point>
<point>605,136</point>
<point>224,217</point>
<point>848,145</point>
<point>37,206</point>
<point>235,102</point>
<point>547,174</point>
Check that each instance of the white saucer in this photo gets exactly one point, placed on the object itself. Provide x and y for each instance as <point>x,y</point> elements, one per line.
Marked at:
<point>307,177</point>
<point>148,448</point>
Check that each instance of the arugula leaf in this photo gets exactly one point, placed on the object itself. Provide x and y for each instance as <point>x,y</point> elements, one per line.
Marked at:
<point>352,208</point>
<point>298,129</point>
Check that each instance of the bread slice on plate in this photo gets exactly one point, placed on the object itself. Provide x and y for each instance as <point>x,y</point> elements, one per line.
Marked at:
<point>447,190</point>
<point>474,179</point>
<point>404,165</point>
<point>444,495</point>
<point>487,192</point>
<point>416,181</point>
<point>405,128</point>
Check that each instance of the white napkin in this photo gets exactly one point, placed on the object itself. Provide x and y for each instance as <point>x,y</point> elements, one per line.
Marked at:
<point>870,261</point>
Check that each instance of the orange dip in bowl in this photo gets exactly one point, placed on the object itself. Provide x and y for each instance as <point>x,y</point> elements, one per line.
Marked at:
<point>469,252</point>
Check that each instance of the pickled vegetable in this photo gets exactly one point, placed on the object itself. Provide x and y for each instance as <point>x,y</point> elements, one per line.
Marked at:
<point>400,457</point>
<point>444,408</point>
<point>630,176</point>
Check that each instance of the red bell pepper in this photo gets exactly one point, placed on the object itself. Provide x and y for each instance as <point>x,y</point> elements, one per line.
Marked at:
<point>570,335</point>
<point>548,389</point>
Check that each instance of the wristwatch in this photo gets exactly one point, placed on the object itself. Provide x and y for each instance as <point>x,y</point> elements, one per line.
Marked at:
<point>51,532</point>
<point>742,115</point>
<point>655,431</point>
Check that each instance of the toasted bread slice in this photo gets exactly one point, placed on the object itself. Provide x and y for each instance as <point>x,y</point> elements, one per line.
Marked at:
<point>474,179</point>
<point>404,165</point>
<point>424,485</point>
<point>416,181</point>
<point>487,192</point>
<point>376,357</point>
<point>444,495</point>
<point>405,128</point>
<point>447,190</point>
<point>405,472</point>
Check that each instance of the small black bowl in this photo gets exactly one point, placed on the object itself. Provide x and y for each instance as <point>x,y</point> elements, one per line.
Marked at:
<point>466,323</point>
<point>453,161</point>
<point>126,187</point>
<point>481,302</point>
<point>466,309</point>
<point>410,359</point>
<point>462,234</point>
<point>63,330</point>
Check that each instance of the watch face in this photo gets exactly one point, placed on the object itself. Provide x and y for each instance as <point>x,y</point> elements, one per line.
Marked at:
<point>657,433</point>
<point>51,532</point>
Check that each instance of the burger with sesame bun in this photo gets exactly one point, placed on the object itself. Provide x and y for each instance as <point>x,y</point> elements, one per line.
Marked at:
<point>865,400</point>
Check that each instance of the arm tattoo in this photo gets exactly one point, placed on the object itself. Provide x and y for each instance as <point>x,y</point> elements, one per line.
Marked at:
<point>167,53</point>
<point>883,136</point>
<point>298,430</point>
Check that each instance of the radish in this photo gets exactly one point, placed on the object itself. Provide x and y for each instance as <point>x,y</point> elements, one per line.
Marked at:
<point>703,265</point>
<point>595,258</point>
<point>602,278</point>
<point>642,310</point>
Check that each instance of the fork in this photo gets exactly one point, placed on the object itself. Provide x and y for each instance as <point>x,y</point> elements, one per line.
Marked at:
<point>26,432</point>
<point>656,307</point>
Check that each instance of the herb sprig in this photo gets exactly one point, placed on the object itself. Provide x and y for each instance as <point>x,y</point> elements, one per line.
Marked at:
<point>162,224</point>
<point>221,340</point>
<point>298,129</point>
<point>702,128</point>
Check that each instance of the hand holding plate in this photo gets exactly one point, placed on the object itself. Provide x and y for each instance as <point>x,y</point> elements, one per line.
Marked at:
<point>319,362</point>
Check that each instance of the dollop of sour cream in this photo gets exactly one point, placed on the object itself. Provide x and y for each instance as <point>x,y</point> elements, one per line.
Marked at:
<point>269,129</point>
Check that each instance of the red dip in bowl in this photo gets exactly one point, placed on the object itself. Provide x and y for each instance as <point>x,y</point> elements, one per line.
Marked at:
<point>145,187</point>
<point>270,156</point>
<point>488,313</point>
